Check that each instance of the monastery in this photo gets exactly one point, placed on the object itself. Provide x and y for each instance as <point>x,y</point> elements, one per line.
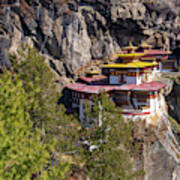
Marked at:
<point>128,81</point>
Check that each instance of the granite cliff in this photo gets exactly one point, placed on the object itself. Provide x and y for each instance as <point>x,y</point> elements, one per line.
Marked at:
<point>72,33</point>
<point>159,135</point>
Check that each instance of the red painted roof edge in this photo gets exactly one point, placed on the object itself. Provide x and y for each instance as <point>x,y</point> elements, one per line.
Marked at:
<point>95,89</point>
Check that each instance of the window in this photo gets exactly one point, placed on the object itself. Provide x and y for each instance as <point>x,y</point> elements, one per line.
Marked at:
<point>141,99</point>
<point>121,78</point>
<point>121,98</point>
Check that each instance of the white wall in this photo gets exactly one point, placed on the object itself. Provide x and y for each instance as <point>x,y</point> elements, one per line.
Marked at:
<point>114,80</point>
<point>127,80</point>
<point>166,70</point>
<point>160,66</point>
<point>152,105</point>
<point>131,80</point>
<point>155,103</point>
<point>81,110</point>
<point>139,79</point>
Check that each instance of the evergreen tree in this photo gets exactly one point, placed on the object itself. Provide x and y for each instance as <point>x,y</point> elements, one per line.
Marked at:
<point>103,151</point>
<point>107,146</point>
<point>38,82</point>
<point>22,151</point>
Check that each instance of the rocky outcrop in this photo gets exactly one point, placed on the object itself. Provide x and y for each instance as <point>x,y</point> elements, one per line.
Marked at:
<point>74,32</point>
<point>159,153</point>
<point>172,92</point>
<point>4,47</point>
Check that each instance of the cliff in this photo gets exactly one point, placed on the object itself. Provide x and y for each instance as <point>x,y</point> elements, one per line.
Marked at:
<point>72,33</point>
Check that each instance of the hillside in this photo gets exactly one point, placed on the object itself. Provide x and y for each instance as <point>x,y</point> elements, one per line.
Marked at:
<point>73,34</point>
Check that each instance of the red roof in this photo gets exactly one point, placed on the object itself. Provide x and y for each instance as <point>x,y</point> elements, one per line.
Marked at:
<point>91,89</point>
<point>150,86</point>
<point>125,87</point>
<point>135,114</point>
<point>156,52</point>
<point>162,57</point>
<point>92,79</point>
<point>95,89</point>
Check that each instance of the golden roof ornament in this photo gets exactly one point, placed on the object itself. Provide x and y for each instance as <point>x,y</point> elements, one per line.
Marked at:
<point>169,52</point>
<point>145,45</point>
<point>93,71</point>
<point>131,48</point>
<point>131,56</point>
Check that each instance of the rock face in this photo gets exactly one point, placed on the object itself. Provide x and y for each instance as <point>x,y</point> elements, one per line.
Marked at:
<point>70,33</point>
<point>4,46</point>
<point>172,94</point>
<point>159,154</point>
<point>76,31</point>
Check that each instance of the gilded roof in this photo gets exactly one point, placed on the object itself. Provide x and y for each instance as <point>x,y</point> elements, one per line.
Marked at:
<point>130,55</point>
<point>137,64</point>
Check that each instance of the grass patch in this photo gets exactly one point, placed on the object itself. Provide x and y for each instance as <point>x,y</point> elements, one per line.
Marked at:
<point>174,124</point>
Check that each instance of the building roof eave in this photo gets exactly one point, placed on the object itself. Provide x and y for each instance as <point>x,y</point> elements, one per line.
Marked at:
<point>96,89</point>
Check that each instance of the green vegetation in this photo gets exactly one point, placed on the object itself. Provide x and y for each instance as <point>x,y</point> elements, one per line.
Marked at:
<point>174,124</point>
<point>38,83</point>
<point>22,152</point>
<point>38,140</point>
<point>110,150</point>
<point>170,77</point>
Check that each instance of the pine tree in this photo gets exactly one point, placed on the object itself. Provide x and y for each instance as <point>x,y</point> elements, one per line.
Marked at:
<point>22,151</point>
<point>38,82</point>
<point>107,146</point>
<point>103,151</point>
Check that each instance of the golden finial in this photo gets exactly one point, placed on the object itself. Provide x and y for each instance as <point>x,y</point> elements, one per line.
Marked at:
<point>145,45</point>
<point>131,48</point>
<point>93,70</point>
<point>130,43</point>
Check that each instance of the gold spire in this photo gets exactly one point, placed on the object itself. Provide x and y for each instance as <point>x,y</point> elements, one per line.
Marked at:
<point>145,45</point>
<point>130,43</point>
<point>92,71</point>
<point>131,48</point>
